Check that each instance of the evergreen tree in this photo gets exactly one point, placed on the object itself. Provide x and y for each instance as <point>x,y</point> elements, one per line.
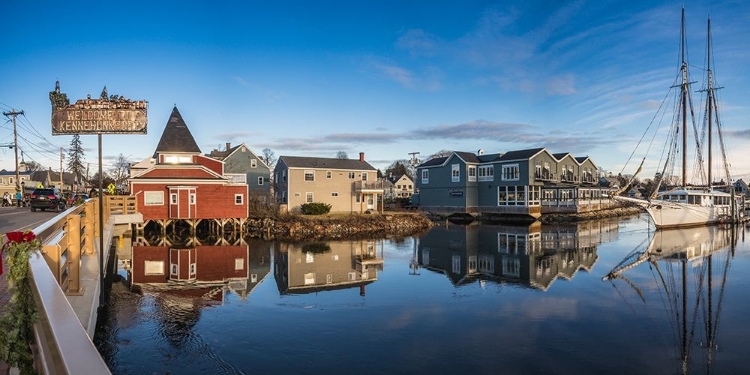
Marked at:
<point>75,159</point>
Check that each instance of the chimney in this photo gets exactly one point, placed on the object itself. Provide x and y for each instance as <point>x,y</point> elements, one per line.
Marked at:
<point>229,145</point>
<point>361,156</point>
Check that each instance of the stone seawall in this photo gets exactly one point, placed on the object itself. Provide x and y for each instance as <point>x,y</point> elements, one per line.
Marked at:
<point>294,227</point>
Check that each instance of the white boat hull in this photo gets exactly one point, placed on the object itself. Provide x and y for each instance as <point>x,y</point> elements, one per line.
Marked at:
<point>667,214</point>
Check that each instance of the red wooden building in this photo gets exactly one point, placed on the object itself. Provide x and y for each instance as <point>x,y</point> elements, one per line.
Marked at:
<point>181,183</point>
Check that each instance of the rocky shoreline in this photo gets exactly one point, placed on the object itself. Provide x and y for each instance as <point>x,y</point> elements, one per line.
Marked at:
<point>396,224</point>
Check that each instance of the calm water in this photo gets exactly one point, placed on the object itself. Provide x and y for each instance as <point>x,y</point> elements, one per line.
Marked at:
<point>598,297</point>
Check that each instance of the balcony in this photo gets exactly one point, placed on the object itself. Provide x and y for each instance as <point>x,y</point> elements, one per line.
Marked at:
<point>368,186</point>
<point>544,176</point>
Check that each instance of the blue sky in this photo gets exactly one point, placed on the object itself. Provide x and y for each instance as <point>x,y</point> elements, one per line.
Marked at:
<point>380,77</point>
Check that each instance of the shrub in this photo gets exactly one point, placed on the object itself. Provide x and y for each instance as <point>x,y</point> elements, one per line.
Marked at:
<point>315,208</point>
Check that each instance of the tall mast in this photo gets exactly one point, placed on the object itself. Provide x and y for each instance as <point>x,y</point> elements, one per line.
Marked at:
<point>684,100</point>
<point>710,98</point>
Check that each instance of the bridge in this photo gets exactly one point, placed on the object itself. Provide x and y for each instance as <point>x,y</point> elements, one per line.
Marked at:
<point>65,280</point>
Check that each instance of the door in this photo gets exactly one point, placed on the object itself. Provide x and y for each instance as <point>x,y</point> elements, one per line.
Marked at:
<point>182,203</point>
<point>370,202</point>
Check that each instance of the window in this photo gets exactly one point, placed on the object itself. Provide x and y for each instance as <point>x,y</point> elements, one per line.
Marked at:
<point>173,269</point>
<point>351,175</point>
<point>253,277</point>
<point>309,197</point>
<point>455,173</point>
<point>334,194</point>
<point>510,172</point>
<point>238,199</point>
<point>153,267</point>
<point>515,195</point>
<point>173,198</point>
<point>329,174</point>
<point>153,198</point>
<point>261,180</point>
<point>472,173</point>
<point>192,269</point>
<point>425,176</point>
<point>283,175</point>
<point>486,173</point>
<point>309,175</point>
<point>310,278</point>
<point>364,176</point>
<point>192,198</point>
<point>309,257</point>
<point>253,163</point>
<point>283,197</point>
<point>329,279</point>
<point>239,264</point>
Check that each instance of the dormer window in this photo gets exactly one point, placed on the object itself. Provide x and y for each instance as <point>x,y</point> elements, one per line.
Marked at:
<point>178,159</point>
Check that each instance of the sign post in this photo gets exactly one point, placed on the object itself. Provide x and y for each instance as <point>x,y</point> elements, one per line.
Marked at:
<point>106,115</point>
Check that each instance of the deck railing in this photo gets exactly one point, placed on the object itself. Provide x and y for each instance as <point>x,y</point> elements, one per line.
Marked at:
<point>62,343</point>
<point>368,185</point>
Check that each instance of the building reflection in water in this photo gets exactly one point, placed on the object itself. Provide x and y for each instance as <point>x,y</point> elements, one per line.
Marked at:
<point>320,266</point>
<point>690,268</point>
<point>532,255</point>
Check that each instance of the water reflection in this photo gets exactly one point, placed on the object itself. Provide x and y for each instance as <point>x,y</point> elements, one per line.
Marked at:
<point>534,255</point>
<point>319,266</point>
<point>690,267</point>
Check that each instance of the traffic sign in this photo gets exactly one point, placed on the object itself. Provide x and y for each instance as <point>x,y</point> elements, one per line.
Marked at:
<point>111,188</point>
<point>40,186</point>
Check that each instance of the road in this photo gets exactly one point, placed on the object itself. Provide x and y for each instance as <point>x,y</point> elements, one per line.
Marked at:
<point>21,219</point>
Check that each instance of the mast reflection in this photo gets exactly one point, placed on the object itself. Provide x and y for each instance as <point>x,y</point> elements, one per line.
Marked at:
<point>533,255</point>
<point>686,263</point>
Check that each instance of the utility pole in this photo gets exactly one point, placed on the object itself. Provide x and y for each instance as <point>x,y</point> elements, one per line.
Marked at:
<point>15,113</point>
<point>414,161</point>
<point>61,170</point>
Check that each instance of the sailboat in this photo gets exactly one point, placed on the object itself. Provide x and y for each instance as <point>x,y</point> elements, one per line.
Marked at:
<point>685,261</point>
<point>690,205</point>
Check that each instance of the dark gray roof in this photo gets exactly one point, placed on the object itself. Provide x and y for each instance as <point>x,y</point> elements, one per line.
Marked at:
<point>561,155</point>
<point>581,159</point>
<point>433,162</point>
<point>176,136</point>
<point>468,157</point>
<point>220,155</point>
<point>326,163</point>
<point>520,154</point>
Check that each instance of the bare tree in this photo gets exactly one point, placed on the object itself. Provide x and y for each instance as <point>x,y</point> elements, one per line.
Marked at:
<point>268,157</point>
<point>33,166</point>
<point>342,155</point>
<point>441,153</point>
<point>121,169</point>
<point>400,167</point>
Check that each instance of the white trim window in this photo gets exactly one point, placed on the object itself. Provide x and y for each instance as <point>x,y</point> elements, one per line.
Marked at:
<point>253,163</point>
<point>334,194</point>
<point>486,173</point>
<point>173,198</point>
<point>364,176</point>
<point>309,197</point>
<point>261,180</point>
<point>192,198</point>
<point>511,195</point>
<point>238,199</point>
<point>309,176</point>
<point>329,175</point>
<point>153,198</point>
<point>472,173</point>
<point>351,175</point>
<point>425,176</point>
<point>510,172</point>
<point>455,173</point>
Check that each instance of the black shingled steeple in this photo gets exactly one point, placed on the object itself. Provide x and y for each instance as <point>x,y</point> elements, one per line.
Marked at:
<point>176,137</point>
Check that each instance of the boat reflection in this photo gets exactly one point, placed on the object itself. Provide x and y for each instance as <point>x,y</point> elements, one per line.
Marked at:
<point>534,255</point>
<point>690,267</point>
<point>321,266</point>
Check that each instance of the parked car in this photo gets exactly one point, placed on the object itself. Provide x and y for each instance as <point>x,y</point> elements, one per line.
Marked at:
<point>47,199</point>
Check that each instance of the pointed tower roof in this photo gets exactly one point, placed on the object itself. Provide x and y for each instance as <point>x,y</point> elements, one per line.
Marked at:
<point>176,137</point>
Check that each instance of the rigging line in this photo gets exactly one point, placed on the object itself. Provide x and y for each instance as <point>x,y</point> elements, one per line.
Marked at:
<point>647,130</point>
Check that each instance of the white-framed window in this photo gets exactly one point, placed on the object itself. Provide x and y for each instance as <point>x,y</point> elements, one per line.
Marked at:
<point>455,173</point>
<point>364,176</point>
<point>153,198</point>
<point>329,175</point>
<point>239,264</point>
<point>310,278</point>
<point>334,194</point>
<point>173,198</point>
<point>309,257</point>
<point>351,175</point>
<point>192,269</point>
<point>309,175</point>
<point>329,279</point>
<point>425,176</point>
<point>309,197</point>
<point>352,276</point>
<point>510,172</point>
<point>253,163</point>
<point>253,277</point>
<point>238,199</point>
<point>486,173</point>
<point>173,269</point>
<point>192,198</point>
<point>513,195</point>
<point>456,263</point>
<point>472,173</point>
<point>153,267</point>
<point>283,175</point>
<point>261,180</point>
